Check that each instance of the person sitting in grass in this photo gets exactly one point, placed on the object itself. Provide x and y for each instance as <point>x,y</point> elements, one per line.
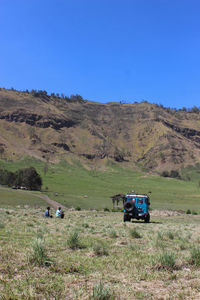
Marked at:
<point>60,213</point>
<point>47,213</point>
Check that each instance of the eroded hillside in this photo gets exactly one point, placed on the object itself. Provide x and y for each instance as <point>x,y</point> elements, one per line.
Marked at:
<point>49,127</point>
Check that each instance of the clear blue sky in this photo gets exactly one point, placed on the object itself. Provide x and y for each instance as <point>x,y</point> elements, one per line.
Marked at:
<point>104,50</point>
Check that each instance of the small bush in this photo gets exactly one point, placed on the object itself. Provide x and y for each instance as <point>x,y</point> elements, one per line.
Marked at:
<point>100,249</point>
<point>100,292</point>
<point>195,256</point>
<point>172,174</point>
<point>188,212</point>
<point>194,212</point>
<point>78,208</point>
<point>175,174</point>
<point>73,240</point>
<point>135,234</point>
<point>106,209</point>
<point>165,174</point>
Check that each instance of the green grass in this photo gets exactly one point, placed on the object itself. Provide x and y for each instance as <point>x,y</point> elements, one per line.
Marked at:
<point>73,240</point>
<point>38,261</point>
<point>39,256</point>
<point>15,198</point>
<point>75,186</point>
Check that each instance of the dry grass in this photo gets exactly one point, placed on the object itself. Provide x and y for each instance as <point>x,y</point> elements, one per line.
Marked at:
<point>138,124</point>
<point>38,262</point>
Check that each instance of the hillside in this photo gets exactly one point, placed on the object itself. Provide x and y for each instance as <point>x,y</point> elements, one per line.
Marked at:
<point>50,128</point>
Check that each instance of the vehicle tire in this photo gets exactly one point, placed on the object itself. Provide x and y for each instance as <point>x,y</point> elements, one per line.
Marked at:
<point>147,219</point>
<point>126,218</point>
<point>129,206</point>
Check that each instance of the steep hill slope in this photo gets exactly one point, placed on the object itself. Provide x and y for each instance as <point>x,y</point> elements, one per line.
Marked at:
<point>49,127</point>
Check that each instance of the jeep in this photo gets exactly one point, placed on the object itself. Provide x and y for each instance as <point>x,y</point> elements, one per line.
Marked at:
<point>136,206</point>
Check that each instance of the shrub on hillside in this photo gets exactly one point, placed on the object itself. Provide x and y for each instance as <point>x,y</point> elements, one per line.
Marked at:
<point>7,177</point>
<point>171,174</point>
<point>78,208</point>
<point>27,177</point>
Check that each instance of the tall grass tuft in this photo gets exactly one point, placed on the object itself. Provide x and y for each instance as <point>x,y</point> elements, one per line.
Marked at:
<point>167,260</point>
<point>170,235</point>
<point>100,249</point>
<point>113,234</point>
<point>85,225</point>
<point>194,258</point>
<point>100,292</point>
<point>73,240</point>
<point>135,234</point>
<point>40,256</point>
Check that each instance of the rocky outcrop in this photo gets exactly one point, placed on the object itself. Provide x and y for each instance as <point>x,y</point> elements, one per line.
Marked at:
<point>37,120</point>
<point>146,134</point>
<point>61,145</point>
<point>88,156</point>
<point>186,132</point>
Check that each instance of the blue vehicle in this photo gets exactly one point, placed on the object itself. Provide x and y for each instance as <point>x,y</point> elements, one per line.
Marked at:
<point>136,207</point>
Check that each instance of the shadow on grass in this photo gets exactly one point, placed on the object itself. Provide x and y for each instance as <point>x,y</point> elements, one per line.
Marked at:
<point>141,222</point>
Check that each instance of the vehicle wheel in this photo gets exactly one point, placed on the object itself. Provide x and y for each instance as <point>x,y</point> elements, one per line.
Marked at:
<point>129,206</point>
<point>147,218</point>
<point>127,218</point>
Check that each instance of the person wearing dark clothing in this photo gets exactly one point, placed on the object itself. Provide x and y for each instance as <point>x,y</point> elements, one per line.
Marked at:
<point>47,213</point>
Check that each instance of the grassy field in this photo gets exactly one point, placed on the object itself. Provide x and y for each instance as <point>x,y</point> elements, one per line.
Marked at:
<point>94,255</point>
<point>13,198</point>
<point>73,185</point>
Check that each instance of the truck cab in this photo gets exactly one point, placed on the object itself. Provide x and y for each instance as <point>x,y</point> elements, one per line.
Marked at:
<point>136,206</point>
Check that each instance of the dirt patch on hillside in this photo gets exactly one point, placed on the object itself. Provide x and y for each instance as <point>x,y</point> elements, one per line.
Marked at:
<point>52,203</point>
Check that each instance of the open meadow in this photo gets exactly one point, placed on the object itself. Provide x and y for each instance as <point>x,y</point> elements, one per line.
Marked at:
<point>77,185</point>
<point>94,255</point>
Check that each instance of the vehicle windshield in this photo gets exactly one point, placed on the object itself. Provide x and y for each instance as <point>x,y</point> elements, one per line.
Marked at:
<point>140,201</point>
<point>129,199</point>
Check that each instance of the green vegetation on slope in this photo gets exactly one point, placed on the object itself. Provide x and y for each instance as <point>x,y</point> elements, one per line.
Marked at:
<point>73,185</point>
